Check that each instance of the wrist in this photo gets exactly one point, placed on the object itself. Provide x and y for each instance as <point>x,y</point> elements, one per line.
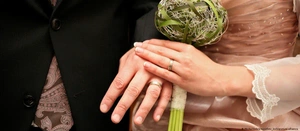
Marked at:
<point>237,81</point>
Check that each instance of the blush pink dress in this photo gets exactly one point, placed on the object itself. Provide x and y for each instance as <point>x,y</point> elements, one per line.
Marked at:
<point>261,36</point>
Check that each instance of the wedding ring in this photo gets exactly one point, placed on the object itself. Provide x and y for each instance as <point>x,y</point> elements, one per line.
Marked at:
<point>155,83</point>
<point>170,65</point>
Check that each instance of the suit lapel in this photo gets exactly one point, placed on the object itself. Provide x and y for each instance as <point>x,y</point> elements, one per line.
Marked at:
<point>43,7</point>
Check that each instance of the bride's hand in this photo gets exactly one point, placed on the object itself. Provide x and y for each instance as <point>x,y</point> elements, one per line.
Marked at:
<point>189,68</point>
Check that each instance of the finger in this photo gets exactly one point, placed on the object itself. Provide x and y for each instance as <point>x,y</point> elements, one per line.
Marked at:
<point>161,72</point>
<point>116,88</point>
<point>159,60</point>
<point>163,100</point>
<point>151,96</point>
<point>160,50</point>
<point>131,93</point>
<point>167,43</point>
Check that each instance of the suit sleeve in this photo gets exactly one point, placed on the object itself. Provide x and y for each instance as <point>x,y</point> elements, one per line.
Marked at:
<point>142,20</point>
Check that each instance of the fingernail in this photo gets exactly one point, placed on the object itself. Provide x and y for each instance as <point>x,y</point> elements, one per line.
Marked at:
<point>139,50</point>
<point>116,118</point>
<point>146,64</point>
<point>103,108</point>
<point>137,44</point>
<point>139,120</point>
<point>158,117</point>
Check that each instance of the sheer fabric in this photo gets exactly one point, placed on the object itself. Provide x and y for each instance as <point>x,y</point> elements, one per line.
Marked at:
<point>286,87</point>
<point>262,36</point>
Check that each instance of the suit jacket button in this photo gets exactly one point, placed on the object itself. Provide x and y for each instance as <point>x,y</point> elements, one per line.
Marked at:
<point>28,101</point>
<point>56,24</point>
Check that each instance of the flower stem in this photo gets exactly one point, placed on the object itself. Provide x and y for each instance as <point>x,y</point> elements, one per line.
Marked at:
<point>177,109</point>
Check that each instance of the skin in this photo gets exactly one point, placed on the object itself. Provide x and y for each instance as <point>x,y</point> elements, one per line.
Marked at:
<point>130,81</point>
<point>192,70</point>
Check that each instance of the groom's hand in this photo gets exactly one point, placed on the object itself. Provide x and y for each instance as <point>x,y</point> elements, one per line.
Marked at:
<point>131,79</point>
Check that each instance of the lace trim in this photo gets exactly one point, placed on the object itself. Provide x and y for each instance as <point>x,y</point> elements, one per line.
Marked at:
<point>261,93</point>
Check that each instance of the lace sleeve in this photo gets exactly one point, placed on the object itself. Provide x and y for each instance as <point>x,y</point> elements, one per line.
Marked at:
<point>259,89</point>
<point>276,86</point>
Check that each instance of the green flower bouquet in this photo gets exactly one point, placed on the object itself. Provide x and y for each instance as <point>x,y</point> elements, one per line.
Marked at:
<point>195,22</point>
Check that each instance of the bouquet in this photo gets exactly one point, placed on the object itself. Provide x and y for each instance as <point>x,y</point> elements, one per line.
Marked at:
<point>195,22</point>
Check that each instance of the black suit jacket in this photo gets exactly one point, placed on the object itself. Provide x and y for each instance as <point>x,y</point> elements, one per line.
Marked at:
<point>88,37</point>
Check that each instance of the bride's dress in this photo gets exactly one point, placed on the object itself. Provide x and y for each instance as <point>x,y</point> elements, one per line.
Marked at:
<point>260,32</point>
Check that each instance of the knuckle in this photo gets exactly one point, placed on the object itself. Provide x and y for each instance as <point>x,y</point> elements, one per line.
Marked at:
<point>166,73</point>
<point>152,40</point>
<point>166,42</point>
<point>133,91</point>
<point>190,47</point>
<point>144,110</point>
<point>109,99</point>
<point>122,107</point>
<point>159,51</point>
<point>154,92</point>
<point>187,80</point>
<point>187,60</point>
<point>166,97</point>
<point>119,83</point>
<point>187,71</point>
<point>161,61</point>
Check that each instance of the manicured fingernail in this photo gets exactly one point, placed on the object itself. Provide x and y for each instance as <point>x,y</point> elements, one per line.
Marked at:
<point>103,108</point>
<point>146,64</point>
<point>137,44</point>
<point>116,118</point>
<point>158,117</point>
<point>139,50</point>
<point>139,120</point>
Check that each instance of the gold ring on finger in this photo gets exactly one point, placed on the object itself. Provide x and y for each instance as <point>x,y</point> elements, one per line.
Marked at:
<point>170,65</point>
<point>155,83</point>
